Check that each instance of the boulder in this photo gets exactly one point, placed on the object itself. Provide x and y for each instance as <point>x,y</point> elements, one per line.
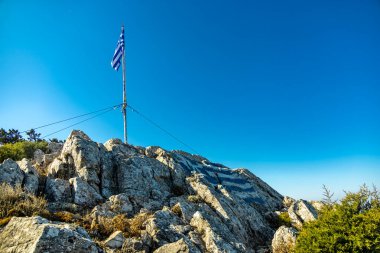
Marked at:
<point>58,190</point>
<point>180,246</point>
<point>215,238</point>
<point>145,180</point>
<point>115,240</point>
<point>135,245</point>
<point>284,240</point>
<point>38,235</point>
<point>82,154</point>
<point>62,169</point>
<point>38,156</point>
<point>301,211</point>
<point>83,193</point>
<point>116,204</point>
<point>31,177</point>
<point>55,147</point>
<point>11,173</point>
<point>165,227</point>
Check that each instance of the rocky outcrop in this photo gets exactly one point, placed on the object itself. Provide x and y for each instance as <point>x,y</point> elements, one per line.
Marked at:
<point>115,240</point>
<point>11,173</point>
<point>284,240</point>
<point>38,235</point>
<point>31,181</point>
<point>83,193</point>
<point>194,205</point>
<point>58,190</point>
<point>180,246</point>
<point>301,211</point>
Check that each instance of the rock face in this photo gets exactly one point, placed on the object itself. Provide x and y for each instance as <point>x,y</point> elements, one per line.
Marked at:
<point>115,240</point>
<point>30,176</point>
<point>11,173</point>
<point>301,211</point>
<point>284,240</point>
<point>194,205</point>
<point>38,235</point>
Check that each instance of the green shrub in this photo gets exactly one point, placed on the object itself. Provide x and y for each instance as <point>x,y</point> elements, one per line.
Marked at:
<point>20,150</point>
<point>353,225</point>
<point>284,219</point>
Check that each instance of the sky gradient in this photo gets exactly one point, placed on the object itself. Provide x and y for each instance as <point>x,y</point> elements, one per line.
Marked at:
<point>290,90</point>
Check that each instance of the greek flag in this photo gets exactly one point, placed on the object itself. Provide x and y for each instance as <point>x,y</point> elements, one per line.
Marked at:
<point>118,55</point>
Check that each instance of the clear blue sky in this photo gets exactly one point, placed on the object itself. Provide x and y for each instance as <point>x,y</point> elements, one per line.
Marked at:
<point>288,89</point>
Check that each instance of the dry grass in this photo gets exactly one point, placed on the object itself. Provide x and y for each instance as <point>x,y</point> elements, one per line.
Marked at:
<point>103,227</point>
<point>15,202</point>
<point>176,209</point>
<point>194,198</point>
<point>64,216</point>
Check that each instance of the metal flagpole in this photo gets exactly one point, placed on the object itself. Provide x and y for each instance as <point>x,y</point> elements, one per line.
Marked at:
<point>124,92</point>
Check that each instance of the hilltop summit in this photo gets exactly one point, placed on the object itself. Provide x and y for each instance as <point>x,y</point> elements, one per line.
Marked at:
<point>135,199</point>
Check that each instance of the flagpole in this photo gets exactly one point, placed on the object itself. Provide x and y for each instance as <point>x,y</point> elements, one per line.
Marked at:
<point>124,94</point>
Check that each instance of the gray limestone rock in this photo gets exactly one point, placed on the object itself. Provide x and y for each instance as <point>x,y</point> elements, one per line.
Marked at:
<point>38,156</point>
<point>180,246</point>
<point>115,240</point>
<point>58,190</point>
<point>301,211</point>
<point>284,240</point>
<point>31,177</point>
<point>11,173</point>
<point>38,235</point>
<point>83,193</point>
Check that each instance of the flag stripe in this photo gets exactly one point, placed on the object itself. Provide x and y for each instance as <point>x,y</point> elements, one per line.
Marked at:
<point>117,56</point>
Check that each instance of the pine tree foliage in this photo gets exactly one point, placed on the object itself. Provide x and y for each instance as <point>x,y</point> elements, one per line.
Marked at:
<point>352,225</point>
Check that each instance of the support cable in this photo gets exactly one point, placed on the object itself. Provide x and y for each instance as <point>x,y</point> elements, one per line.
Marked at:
<point>75,117</point>
<point>97,115</point>
<point>161,128</point>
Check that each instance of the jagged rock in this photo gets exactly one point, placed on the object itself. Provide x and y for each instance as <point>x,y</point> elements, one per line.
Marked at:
<point>30,176</point>
<point>215,235</point>
<point>83,154</point>
<point>11,173</point>
<point>183,208</point>
<point>134,245</point>
<point>54,147</point>
<point>318,205</point>
<point>212,208</point>
<point>145,180</point>
<point>288,201</point>
<point>115,240</point>
<point>38,156</point>
<point>61,169</point>
<point>165,227</point>
<point>154,151</point>
<point>38,235</point>
<point>84,194</point>
<point>107,173</point>
<point>58,190</point>
<point>284,240</point>
<point>48,159</point>
<point>301,211</point>
<point>116,146</point>
<point>180,246</point>
<point>116,204</point>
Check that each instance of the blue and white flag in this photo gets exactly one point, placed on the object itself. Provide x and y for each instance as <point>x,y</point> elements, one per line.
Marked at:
<point>118,55</point>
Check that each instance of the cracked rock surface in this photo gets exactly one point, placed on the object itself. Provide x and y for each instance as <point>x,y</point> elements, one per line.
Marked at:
<point>194,205</point>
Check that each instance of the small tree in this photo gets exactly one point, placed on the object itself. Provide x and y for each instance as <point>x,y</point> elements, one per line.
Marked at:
<point>33,135</point>
<point>13,136</point>
<point>3,136</point>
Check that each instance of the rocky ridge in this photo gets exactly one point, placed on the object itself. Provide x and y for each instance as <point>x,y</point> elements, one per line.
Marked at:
<point>184,202</point>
